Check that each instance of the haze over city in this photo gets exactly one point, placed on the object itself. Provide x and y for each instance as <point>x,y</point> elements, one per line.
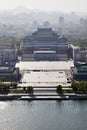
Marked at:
<point>46,5</point>
<point>43,64</point>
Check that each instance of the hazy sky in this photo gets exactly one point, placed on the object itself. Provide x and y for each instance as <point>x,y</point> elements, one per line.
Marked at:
<point>60,5</point>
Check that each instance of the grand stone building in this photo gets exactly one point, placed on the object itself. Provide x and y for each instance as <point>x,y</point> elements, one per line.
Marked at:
<point>45,44</point>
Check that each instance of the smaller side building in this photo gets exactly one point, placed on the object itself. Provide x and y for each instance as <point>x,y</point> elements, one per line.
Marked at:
<point>7,54</point>
<point>80,73</point>
<point>81,55</point>
<point>10,73</point>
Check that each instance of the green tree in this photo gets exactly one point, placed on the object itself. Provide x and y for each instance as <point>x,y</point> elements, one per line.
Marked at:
<point>59,89</point>
<point>30,90</point>
<point>4,88</point>
<point>2,79</point>
<point>75,86</point>
<point>14,84</point>
<point>79,87</point>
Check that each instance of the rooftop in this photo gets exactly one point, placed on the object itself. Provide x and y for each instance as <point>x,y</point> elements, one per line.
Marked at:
<point>82,68</point>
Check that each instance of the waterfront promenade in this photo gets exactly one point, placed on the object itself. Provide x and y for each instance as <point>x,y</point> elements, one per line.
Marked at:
<point>50,96</point>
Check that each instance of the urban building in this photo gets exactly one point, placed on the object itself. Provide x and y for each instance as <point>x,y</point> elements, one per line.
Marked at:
<point>74,52</point>
<point>7,54</point>
<point>10,73</point>
<point>80,55</point>
<point>80,72</point>
<point>61,21</point>
<point>45,44</point>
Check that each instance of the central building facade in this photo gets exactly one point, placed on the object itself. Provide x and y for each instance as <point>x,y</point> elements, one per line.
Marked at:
<point>45,44</point>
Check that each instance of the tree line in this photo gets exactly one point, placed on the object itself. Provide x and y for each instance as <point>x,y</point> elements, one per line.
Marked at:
<point>79,87</point>
<point>82,43</point>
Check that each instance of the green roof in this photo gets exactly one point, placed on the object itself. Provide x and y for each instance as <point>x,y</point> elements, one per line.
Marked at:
<point>82,68</point>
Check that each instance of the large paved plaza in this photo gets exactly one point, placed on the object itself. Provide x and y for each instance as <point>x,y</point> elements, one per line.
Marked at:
<point>45,65</point>
<point>45,73</point>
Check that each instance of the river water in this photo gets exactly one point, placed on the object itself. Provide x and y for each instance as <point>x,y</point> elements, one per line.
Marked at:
<point>43,115</point>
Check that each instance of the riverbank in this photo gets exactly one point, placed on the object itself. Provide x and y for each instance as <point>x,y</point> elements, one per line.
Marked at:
<point>43,97</point>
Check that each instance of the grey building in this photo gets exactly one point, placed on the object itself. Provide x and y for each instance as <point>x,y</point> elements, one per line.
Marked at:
<point>7,54</point>
<point>45,44</point>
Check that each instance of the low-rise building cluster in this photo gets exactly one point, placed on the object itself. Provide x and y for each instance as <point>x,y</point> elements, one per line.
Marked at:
<point>80,72</point>
<point>7,54</point>
<point>8,58</point>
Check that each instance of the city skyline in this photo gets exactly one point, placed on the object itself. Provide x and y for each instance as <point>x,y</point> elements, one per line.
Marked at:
<point>46,5</point>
